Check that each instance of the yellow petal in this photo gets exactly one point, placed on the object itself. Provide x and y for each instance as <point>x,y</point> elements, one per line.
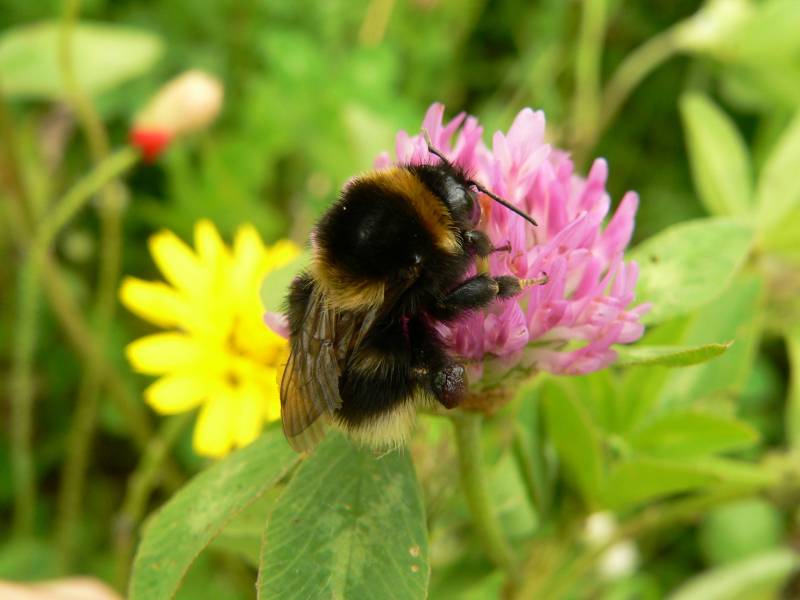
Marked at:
<point>153,301</point>
<point>213,433</point>
<point>281,253</point>
<point>248,253</point>
<point>178,263</point>
<point>248,419</point>
<point>210,247</point>
<point>165,352</point>
<point>175,394</point>
<point>270,392</point>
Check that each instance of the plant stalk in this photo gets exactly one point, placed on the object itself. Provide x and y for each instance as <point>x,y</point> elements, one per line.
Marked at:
<point>25,332</point>
<point>22,400</point>
<point>140,486</point>
<point>633,69</point>
<point>533,467</point>
<point>559,583</point>
<point>84,420</point>
<point>588,64</point>
<point>81,337</point>
<point>476,491</point>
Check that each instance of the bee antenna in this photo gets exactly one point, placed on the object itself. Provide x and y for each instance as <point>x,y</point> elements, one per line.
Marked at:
<point>505,203</point>
<point>431,148</point>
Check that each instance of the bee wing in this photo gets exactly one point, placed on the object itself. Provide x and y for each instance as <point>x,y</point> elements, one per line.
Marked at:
<point>310,383</point>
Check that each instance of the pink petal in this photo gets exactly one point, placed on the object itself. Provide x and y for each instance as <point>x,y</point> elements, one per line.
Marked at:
<point>278,323</point>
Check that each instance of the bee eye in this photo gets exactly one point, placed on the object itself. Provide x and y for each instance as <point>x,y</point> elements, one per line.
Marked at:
<point>474,208</point>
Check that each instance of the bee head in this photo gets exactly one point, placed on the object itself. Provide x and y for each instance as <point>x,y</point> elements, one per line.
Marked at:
<point>461,199</point>
<point>456,188</point>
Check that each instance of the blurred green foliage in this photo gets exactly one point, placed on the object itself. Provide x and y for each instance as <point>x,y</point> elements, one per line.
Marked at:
<point>695,108</point>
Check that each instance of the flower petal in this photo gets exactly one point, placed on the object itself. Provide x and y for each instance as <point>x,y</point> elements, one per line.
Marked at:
<point>271,397</point>
<point>178,263</point>
<point>248,253</point>
<point>280,253</point>
<point>248,417</point>
<point>166,352</point>
<point>213,433</point>
<point>153,301</point>
<point>278,323</point>
<point>175,394</point>
<point>210,248</point>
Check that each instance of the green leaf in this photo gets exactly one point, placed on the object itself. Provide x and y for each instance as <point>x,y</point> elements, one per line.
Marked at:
<point>28,560</point>
<point>644,479</point>
<point>793,400</point>
<point>737,472</point>
<point>104,56</point>
<point>781,240</point>
<point>575,437</point>
<point>740,529</point>
<point>276,284</point>
<point>668,356</point>
<point>718,157</point>
<point>597,393</point>
<point>638,389</point>
<point>530,451</point>
<point>349,525</point>
<point>242,535</point>
<point>778,190</point>
<point>689,264</point>
<point>639,393</point>
<point>768,37</point>
<point>735,315</point>
<point>762,573</point>
<point>687,434</point>
<point>192,518</point>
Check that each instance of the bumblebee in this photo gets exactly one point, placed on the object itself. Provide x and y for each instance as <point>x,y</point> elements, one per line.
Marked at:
<point>389,260</point>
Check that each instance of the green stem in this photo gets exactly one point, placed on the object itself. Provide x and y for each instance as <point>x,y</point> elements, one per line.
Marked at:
<point>476,490</point>
<point>81,338</point>
<point>792,339</point>
<point>588,63</point>
<point>633,69</point>
<point>533,467</point>
<point>560,580</point>
<point>376,20</point>
<point>90,120</point>
<point>79,194</point>
<point>21,384</point>
<point>588,124</point>
<point>25,331</point>
<point>79,334</point>
<point>84,418</point>
<point>141,484</point>
<point>22,396</point>
<point>10,163</point>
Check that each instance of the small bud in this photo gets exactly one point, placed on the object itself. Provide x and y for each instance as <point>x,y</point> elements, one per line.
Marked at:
<point>188,103</point>
<point>620,559</point>
<point>712,28</point>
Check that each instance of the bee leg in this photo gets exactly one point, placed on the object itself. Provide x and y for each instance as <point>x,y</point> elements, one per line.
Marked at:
<point>510,286</point>
<point>433,369</point>
<point>449,385</point>
<point>480,244</point>
<point>476,292</point>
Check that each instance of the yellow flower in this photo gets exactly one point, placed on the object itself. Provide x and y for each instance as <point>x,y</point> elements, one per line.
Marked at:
<point>217,354</point>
